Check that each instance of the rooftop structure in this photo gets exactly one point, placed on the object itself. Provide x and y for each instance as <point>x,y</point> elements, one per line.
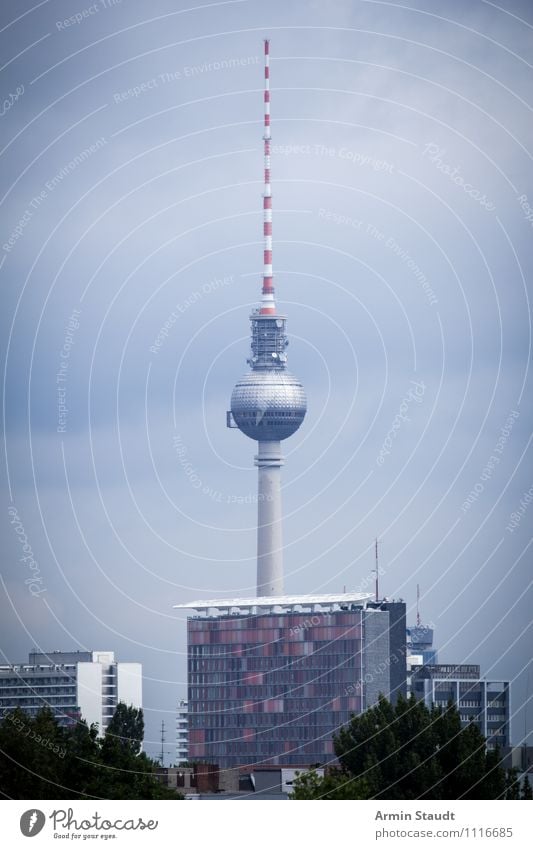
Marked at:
<point>279,604</point>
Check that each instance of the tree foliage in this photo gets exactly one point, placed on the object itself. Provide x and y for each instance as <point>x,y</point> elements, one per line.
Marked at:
<point>407,751</point>
<point>310,785</point>
<point>526,788</point>
<point>39,759</point>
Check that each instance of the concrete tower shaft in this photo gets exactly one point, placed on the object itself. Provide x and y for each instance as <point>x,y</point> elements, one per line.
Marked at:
<point>269,528</point>
<point>268,403</point>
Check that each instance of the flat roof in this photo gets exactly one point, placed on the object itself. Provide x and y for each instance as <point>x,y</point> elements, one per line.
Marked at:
<point>276,601</point>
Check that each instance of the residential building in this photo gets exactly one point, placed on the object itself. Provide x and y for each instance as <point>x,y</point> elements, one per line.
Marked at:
<point>74,685</point>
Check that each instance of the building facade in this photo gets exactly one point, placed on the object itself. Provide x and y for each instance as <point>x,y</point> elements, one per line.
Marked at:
<point>486,703</point>
<point>270,680</point>
<point>74,685</point>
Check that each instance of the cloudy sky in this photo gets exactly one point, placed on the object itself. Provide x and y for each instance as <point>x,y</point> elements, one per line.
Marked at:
<point>130,256</point>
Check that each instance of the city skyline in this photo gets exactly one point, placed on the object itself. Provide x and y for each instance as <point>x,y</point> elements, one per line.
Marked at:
<point>130,258</point>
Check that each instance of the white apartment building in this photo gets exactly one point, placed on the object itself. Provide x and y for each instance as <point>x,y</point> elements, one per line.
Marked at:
<point>74,685</point>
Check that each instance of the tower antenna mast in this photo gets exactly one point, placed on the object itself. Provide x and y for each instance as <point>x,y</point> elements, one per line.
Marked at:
<point>268,305</point>
<point>418,605</point>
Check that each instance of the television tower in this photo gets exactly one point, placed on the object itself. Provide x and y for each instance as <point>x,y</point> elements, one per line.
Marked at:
<point>268,403</point>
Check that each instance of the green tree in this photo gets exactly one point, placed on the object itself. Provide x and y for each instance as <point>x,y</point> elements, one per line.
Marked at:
<point>393,748</point>
<point>48,743</point>
<point>526,788</point>
<point>125,733</point>
<point>334,785</point>
<point>17,771</point>
<point>41,760</point>
<point>129,773</point>
<point>512,784</point>
<point>406,751</point>
<point>494,778</point>
<point>82,770</point>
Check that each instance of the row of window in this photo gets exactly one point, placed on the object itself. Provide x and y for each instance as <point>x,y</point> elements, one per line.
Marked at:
<point>296,706</point>
<point>321,655</point>
<point>305,619</point>
<point>320,721</point>
<point>318,749</point>
<point>341,647</point>
<point>322,690</point>
<point>276,677</point>
<point>293,732</point>
<point>14,684</point>
<point>51,700</point>
<point>39,691</point>
<point>268,664</point>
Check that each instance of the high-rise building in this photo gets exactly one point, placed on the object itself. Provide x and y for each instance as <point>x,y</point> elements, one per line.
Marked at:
<point>420,640</point>
<point>74,685</point>
<point>420,643</point>
<point>486,703</point>
<point>420,649</point>
<point>182,733</point>
<point>271,679</point>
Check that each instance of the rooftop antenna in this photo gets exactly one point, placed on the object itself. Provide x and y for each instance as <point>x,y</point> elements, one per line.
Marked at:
<point>526,704</point>
<point>377,572</point>
<point>418,605</point>
<point>162,755</point>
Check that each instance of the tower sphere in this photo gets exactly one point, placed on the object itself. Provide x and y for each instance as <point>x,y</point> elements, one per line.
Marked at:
<point>269,404</point>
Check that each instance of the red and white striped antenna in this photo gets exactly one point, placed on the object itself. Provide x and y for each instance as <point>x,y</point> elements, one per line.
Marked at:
<point>268,305</point>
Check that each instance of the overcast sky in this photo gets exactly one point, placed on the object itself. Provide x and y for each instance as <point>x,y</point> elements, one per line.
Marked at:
<point>403,215</point>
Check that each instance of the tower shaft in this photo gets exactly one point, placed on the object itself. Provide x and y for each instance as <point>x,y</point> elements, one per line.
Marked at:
<point>269,529</point>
